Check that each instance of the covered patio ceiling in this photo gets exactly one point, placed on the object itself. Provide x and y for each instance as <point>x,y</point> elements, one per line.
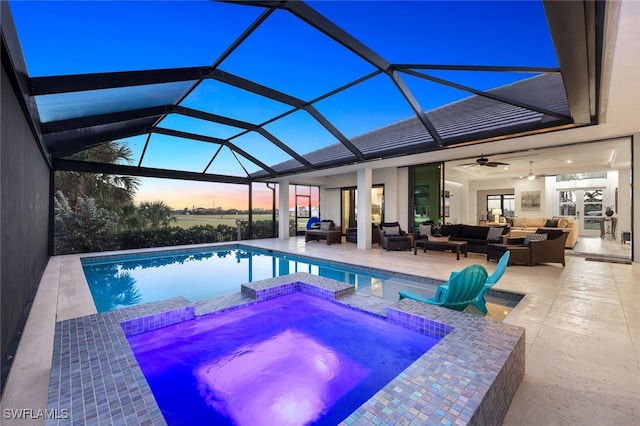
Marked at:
<point>243,91</point>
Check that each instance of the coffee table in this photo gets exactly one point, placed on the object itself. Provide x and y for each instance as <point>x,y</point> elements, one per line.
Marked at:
<point>455,246</point>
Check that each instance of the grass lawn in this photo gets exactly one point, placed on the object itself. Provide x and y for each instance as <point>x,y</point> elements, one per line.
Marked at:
<point>187,221</point>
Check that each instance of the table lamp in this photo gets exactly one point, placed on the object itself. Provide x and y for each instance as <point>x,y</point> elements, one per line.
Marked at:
<point>496,214</point>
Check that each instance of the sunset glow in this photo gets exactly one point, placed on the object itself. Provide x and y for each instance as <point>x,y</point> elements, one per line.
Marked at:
<point>179,194</point>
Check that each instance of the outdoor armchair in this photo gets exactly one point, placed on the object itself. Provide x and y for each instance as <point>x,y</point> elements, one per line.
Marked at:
<point>479,302</point>
<point>392,237</point>
<point>457,293</point>
<point>550,250</point>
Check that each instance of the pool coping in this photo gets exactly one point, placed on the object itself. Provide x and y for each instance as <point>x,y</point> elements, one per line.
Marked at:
<point>469,377</point>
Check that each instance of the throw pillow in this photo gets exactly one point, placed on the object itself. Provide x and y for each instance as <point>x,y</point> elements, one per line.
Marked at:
<point>551,223</point>
<point>563,222</point>
<point>391,230</point>
<point>425,229</point>
<point>534,237</point>
<point>325,226</point>
<point>494,234</point>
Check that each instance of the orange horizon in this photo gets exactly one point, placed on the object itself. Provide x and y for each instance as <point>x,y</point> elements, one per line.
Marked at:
<point>180,194</point>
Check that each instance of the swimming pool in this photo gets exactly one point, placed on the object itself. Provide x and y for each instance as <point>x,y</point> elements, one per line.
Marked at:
<point>290,360</point>
<point>127,280</point>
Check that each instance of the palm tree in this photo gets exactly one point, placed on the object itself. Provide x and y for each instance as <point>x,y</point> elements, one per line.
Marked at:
<point>157,213</point>
<point>108,190</point>
<point>132,218</point>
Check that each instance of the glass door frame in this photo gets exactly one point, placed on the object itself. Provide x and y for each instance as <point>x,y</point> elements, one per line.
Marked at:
<point>575,205</point>
<point>349,206</point>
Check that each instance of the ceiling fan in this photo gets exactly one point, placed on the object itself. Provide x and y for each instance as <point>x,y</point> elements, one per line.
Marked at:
<point>484,161</point>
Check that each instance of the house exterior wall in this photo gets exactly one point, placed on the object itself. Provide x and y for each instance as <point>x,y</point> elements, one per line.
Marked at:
<point>624,200</point>
<point>24,215</point>
<point>395,193</point>
<point>635,197</point>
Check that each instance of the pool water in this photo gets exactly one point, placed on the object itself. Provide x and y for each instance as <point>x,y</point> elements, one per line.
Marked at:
<point>291,360</point>
<point>121,281</point>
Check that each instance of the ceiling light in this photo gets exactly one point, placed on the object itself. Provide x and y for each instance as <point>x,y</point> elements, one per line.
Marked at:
<point>568,161</point>
<point>531,176</point>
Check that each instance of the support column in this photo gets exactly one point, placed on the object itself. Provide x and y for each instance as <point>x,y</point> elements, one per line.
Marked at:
<point>283,210</point>
<point>635,197</point>
<point>364,208</point>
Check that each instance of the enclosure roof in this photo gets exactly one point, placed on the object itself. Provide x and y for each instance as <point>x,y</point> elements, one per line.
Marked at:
<point>244,90</point>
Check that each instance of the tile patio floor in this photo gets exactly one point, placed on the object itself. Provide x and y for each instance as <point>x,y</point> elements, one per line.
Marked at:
<point>582,331</point>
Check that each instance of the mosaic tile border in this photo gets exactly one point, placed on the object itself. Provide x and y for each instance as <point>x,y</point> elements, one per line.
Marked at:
<point>469,377</point>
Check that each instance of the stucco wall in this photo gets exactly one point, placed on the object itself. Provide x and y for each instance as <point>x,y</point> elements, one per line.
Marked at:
<point>395,193</point>
<point>24,214</point>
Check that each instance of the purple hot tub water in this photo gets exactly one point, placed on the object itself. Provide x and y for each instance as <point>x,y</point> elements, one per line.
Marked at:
<point>291,360</point>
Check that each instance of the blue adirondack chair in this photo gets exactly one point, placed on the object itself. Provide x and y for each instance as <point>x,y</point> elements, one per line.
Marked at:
<point>457,293</point>
<point>480,303</point>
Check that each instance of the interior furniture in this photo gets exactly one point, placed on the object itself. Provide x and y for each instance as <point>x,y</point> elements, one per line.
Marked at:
<point>324,230</point>
<point>496,215</point>
<point>521,226</point>
<point>392,237</point>
<point>462,288</point>
<point>524,252</point>
<point>351,234</point>
<point>608,226</point>
<point>625,237</point>
<point>477,237</point>
<point>455,246</point>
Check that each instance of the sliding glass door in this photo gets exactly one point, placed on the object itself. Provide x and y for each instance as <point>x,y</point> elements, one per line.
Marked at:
<point>425,195</point>
<point>349,199</point>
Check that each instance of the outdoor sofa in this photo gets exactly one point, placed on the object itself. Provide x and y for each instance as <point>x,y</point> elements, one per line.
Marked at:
<point>531,251</point>
<point>476,237</point>
<point>324,230</point>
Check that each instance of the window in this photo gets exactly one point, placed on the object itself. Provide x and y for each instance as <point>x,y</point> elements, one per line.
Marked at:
<point>304,202</point>
<point>504,202</point>
<point>593,202</point>
<point>567,203</point>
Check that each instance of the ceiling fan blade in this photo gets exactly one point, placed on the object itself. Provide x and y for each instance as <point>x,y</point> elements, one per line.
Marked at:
<point>491,164</point>
<point>467,164</point>
<point>497,163</point>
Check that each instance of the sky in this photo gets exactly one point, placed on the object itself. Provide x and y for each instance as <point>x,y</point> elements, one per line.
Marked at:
<point>180,194</point>
<point>76,37</point>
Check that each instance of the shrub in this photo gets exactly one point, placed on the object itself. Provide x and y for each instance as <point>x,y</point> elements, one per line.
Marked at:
<point>85,228</point>
<point>174,235</point>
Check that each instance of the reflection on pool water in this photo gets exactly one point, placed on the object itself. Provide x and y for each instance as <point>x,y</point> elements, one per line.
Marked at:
<point>116,282</point>
<point>119,281</point>
<point>291,360</point>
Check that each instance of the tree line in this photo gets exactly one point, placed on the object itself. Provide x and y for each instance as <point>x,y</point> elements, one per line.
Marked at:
<point>96,211</point>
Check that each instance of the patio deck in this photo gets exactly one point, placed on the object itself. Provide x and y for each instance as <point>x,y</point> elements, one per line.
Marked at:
<point>581,321</point>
